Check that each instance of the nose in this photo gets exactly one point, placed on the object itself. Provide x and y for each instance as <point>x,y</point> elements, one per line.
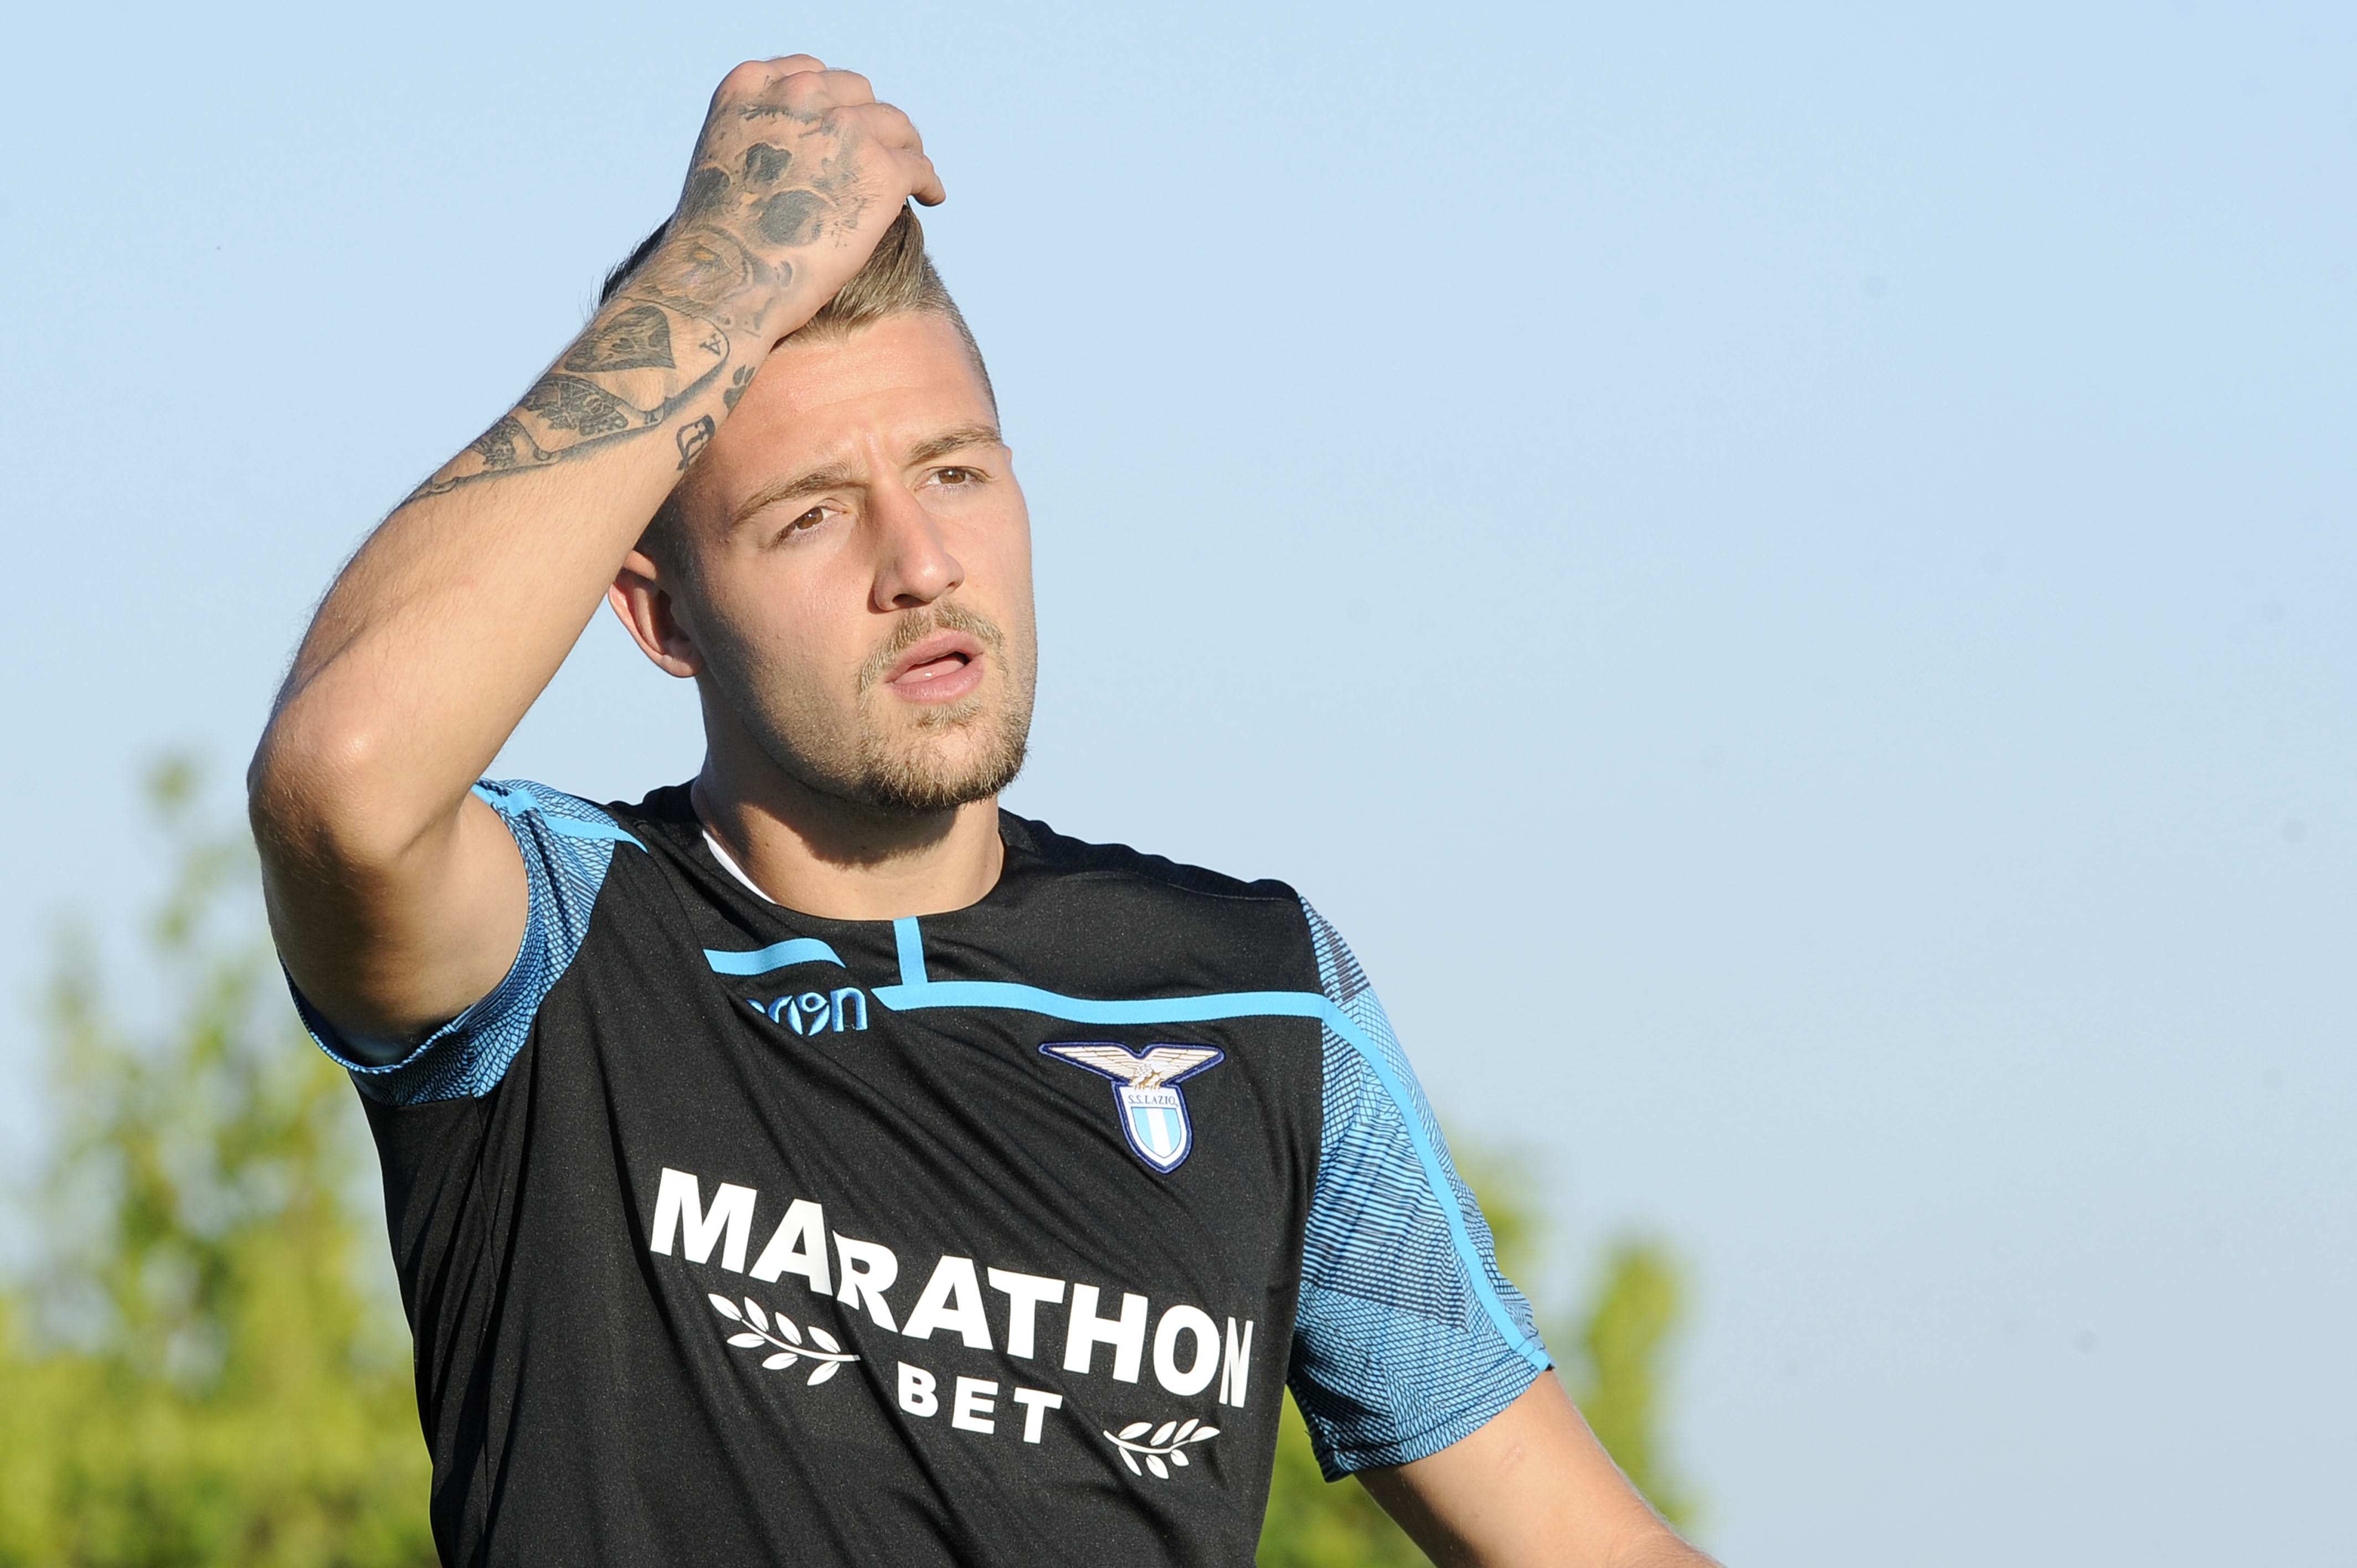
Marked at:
<point>913,563</point>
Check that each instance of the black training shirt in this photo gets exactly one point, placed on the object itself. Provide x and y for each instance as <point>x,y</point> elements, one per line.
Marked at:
<point>731,1234</point>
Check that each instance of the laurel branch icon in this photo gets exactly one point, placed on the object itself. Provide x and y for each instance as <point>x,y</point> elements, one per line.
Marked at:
<point>1167,1443</point>
<point>785,1338</point>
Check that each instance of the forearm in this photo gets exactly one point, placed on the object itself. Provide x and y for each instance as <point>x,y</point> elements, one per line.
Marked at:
<point>395,898</point>
<point>443,628</point>
<point>1531,1490</point>
<point>454,615</point>
<point>430,647</point>
<point>1665,1551</point>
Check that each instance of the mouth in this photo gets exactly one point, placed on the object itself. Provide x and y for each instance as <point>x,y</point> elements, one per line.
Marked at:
<point>941,669</point>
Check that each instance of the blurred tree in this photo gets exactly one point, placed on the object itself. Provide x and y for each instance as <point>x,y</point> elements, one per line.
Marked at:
<point>1609,1362</point>
<point>196,1373</point>
<point>1619,1356</point>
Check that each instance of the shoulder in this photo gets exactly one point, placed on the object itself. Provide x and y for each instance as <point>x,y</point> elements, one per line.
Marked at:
<point>528,805</point>
<point>1216,931</point>
<point>568,847</point>
<point>1151,874</point>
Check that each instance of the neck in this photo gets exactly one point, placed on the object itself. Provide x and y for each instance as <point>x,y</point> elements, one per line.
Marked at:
<point>843,861</point>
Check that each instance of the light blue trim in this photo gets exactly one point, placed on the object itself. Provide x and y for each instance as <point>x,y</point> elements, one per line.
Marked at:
<point>1468,1256</point>
<point>778,955</point>
<point>911,943</point>
<point>562,826</point>
<point>913,994</point>
<point>575,828</point>
<point>1083,1010</point>
<point>567,849</point>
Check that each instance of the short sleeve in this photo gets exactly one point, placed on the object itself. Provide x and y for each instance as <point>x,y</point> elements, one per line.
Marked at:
<point>567,846</point>
<point>1408,1336</point>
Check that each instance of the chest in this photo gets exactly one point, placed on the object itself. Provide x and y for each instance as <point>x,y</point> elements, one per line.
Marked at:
<point>952,1114</point>
<point>938,1173</point>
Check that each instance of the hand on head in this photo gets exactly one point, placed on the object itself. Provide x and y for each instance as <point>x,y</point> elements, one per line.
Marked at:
<point>797,173</point>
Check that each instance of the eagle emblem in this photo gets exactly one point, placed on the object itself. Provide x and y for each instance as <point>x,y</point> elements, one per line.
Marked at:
<point>1146,1093</point>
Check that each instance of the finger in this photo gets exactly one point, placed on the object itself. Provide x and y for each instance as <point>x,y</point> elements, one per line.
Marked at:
<point>890,127</point>
<point>840,89</point>
<point>928,189</point>
<point>751,77</point>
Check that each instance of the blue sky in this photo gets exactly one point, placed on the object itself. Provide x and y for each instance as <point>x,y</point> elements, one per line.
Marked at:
<point>1783,573</point>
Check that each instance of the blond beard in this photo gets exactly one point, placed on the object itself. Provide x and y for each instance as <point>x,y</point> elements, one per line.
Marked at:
<point>897,761</point>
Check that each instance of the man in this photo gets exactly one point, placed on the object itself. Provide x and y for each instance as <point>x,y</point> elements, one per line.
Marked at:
<point>813,1164</point>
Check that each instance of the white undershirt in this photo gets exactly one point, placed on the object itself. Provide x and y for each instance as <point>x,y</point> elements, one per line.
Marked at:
<point>729,866</point>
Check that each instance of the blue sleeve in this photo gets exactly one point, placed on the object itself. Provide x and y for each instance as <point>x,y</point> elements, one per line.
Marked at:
<point>567,846</point>
<point>1408,1336</point>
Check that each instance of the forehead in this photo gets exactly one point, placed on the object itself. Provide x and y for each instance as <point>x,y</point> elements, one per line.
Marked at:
<point>885,386</point>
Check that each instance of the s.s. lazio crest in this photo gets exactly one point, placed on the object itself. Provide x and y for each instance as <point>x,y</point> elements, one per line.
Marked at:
<point>1146,1093</point>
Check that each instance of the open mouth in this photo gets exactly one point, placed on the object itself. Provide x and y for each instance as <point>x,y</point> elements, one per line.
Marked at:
<point>948,665</point>
<point>942,668</point>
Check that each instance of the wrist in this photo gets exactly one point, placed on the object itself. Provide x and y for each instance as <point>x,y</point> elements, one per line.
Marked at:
<point>707,273</point>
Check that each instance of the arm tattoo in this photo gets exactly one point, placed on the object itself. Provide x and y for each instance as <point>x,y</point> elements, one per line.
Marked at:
<point>635,368</point>
<point>638,338</point>
<point>770,179</point>
<point>737,385</point>
<point>569,402</point>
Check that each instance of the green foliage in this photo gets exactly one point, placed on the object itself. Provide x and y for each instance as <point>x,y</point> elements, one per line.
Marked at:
<point>1609,1360</point>
<point>1622,1340</point>
<point>1312,1524</point>
<point>196,1373</point>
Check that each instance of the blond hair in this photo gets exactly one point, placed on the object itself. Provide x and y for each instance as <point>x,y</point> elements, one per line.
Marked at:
<point>898,279</point>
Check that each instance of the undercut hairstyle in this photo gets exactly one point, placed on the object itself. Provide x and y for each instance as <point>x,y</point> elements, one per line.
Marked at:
<point>899,279</point>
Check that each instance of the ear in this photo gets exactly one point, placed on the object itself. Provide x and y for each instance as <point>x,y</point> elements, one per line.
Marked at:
<point>646,606</point>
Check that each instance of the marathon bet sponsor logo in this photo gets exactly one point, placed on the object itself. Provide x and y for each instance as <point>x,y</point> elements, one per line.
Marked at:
<point>1169,1442</point>
<point>1146,1093</point>
<point>973,1402</point>
<point>963,1305</point>
<point>783,1338</point>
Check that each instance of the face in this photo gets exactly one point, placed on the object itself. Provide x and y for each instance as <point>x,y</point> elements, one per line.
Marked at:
<point>857,595</point>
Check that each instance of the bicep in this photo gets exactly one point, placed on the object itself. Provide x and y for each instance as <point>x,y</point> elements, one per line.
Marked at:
<point>387,950</point>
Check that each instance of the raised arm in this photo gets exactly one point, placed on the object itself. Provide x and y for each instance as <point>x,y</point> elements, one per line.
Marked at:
<point>397,899</point>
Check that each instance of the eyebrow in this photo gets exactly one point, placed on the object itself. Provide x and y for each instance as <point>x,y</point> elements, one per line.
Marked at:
<point>954,439</point>
<point>835,475</point>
